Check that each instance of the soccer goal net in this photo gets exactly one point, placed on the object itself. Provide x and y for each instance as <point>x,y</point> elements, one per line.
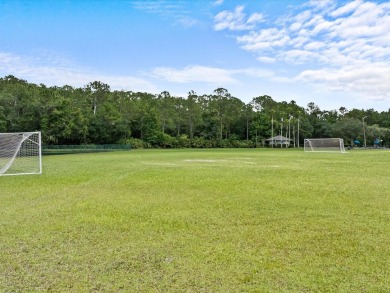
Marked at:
<point>324,145</point>
<point>20,153</point>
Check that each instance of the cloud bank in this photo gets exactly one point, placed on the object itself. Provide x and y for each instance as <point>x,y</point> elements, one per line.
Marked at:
<point>54,70</point>
<point>341,47</point>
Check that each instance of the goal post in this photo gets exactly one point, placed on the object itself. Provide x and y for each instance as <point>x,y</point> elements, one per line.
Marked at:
<point>20,153</point>
<point>324,145</point>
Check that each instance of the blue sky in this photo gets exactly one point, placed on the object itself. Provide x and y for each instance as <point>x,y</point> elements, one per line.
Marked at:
<point>332,53</point>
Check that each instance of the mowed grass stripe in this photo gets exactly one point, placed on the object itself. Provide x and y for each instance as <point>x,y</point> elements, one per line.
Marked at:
<point>221,220</point>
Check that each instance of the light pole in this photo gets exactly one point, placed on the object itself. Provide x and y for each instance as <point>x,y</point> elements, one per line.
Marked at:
<point>289,133</point>
<point>272,132</point>
<point>281,134</point>
<point>364,132</point>
<point>298,132</point>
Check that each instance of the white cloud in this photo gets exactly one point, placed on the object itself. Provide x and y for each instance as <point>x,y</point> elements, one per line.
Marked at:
<point>255,18</point>
<point>56,70</point>
<point>303,17</point>
<point>254,72</point>
<point>300,56</point>
<point>314,46</point>
<point>368,20</point>
<point>159,6</point>
<point>345,45</point>
<point>348,8</point>
<point>171,10</point>
<point>236,20</point>
<point>187,21</point>
<point>322,5</point>
<point>264,39</point>
<point>265,59</point>
<point>194,74</point>
<point>210,75</point>
<point>369,80</point>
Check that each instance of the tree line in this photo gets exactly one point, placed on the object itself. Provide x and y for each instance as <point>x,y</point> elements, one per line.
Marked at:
<point>95,114</point>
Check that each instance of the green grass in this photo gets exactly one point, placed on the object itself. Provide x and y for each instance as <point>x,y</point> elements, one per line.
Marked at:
<point>198,221</point>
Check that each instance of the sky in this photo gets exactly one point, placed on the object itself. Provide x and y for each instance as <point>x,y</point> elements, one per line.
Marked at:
<point>333,53</point>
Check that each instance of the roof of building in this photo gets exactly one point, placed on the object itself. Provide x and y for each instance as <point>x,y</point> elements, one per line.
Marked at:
<point>278,138</point>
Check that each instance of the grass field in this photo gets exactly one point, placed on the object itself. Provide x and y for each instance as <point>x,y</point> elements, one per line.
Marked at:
<point>225,220</point>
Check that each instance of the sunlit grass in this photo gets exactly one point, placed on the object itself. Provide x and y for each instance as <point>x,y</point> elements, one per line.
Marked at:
<point>198,220</point>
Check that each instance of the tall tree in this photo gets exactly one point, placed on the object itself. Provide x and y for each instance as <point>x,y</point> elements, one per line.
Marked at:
<point>348,128</point>
<point>179,114</point>
<point>218,106</point>
<point>248,115</point>
<point>193,113</point>
<point>165,108</point>
<point>97,91</point>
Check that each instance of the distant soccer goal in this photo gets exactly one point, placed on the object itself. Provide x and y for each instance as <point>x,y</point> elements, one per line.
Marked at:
<point>324,145</point>
<point>20,153</point>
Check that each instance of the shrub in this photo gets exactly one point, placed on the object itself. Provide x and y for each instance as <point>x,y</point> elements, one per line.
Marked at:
<point>183,142</point>
<point>138,143</point>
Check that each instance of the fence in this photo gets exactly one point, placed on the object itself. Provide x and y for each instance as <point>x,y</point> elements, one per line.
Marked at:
<point>84,148</point>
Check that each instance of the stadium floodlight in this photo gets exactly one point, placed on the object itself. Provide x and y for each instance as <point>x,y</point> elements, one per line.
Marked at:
<point>20,153</point>
<point>324,145</point>
<point>364,132</point>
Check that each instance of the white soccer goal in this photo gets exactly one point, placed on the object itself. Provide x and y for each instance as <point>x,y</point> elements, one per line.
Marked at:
<point>20,153</point>
<point>324,145</point>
